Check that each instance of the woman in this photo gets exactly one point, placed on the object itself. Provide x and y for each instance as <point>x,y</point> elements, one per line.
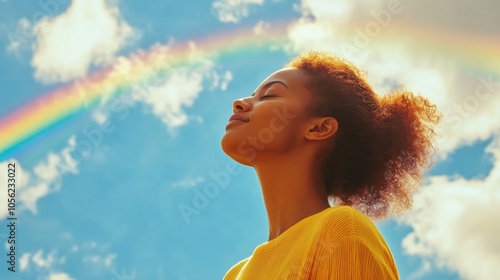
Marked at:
<point>317,134</point>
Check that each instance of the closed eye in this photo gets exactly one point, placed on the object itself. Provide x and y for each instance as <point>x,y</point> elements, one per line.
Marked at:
<point>266,96</point>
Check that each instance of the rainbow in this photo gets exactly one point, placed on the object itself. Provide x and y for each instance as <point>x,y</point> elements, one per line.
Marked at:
<point>51,109</point>
<point>141,67</point>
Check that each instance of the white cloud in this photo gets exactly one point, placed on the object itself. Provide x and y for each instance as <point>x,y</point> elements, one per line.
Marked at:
<point>261,27</point>
<point>42,262</point>
<point>422,271</point>
<point>99,116</point>
<point>456,223</point>
<point>108,260</point>
<point>167,94</point>
<point>327,24</point>
<point>87,33</point>
<point>188,182</point>
<point>89,244</point>
<point>221,81</point>
<point>477,17</point>
<point>95,254</point>
<point>178,90</point>
<point>105,261</point>
<point>471,112</point>
<point>44,179</point>
<point>19,39</point>
<point>225,80</point>
<point>305,33</point>
<point>50,264</point>
<point>59,276</point>
<point>233,10</point>
<point>24,261</point>
<point>332,11</point>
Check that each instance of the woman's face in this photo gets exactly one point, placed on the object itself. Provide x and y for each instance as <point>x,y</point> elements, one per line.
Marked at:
<point>271,121</point>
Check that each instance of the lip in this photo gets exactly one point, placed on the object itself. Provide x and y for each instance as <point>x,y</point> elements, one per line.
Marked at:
<point>236,119</point>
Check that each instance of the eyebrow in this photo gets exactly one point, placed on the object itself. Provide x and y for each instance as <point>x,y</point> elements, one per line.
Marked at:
<point>270,84</point>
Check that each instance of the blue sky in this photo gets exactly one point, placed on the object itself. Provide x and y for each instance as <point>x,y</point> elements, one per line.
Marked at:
<point>114,212</point>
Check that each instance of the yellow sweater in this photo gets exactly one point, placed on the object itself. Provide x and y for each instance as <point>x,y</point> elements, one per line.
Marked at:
<point>336,244</point>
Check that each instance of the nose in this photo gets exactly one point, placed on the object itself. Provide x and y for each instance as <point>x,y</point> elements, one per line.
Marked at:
<point>240,105</point>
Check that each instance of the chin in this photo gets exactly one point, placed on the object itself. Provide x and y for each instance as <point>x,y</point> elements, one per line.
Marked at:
<point>231,145</point>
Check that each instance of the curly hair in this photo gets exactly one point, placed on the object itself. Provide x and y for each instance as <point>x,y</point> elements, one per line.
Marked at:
<point>383,144</point>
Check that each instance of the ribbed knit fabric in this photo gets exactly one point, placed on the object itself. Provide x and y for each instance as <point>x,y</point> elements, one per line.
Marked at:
<point>339,243</point>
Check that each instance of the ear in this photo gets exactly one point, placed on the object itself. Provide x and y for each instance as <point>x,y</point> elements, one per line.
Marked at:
<point>322,128</point>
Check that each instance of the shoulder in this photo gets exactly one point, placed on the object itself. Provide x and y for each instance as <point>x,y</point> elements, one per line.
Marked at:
<point>346,219</point>
<point>350,242</point>
<point>341,222</point>
<point>233,272</point>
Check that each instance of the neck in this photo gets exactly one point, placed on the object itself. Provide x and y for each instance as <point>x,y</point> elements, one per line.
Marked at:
<point>292,191</point>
